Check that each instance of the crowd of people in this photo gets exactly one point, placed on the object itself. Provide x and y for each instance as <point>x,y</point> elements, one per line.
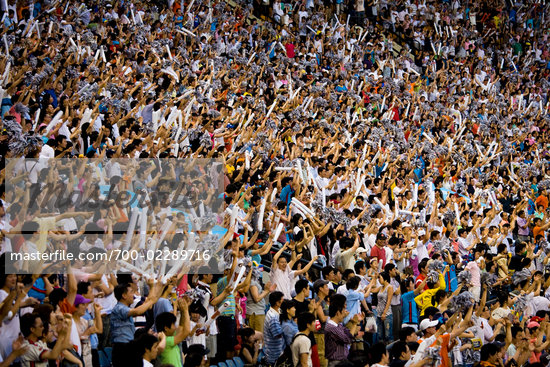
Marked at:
<point>375,192</point>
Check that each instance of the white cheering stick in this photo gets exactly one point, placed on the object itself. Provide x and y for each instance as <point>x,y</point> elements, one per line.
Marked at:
<point>415,195</point>
<point>163,263</point>
<point>457,213</point>
<point>408,212</point>
<point>278,231</point>
<point>131,226</point>
<point>54,121</point>
<point>233,218</point>
<point>103,55</point>
<point>6,44</point>
<point>377,201</point>
<point>215,315</point>
<point>247,160</point>
<point>169,53</point>
<point>261,216</point>
<point>271,109</point>
<point>176,267</point>
<point>300,173</point>
<point>396,206</point>
<point>273,194</point>
<point>324,197</point>
<point>428,137</point>
<point>239,277</point>
<point>36,115</point>
<point>304,208</point>
<point>143,227</point>
<point>250,59</point>
<point>284,169</point>
<point>133,268</point>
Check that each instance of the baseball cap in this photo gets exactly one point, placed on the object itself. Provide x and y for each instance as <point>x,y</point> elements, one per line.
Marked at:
<point>427,323</point>
<point>318,284</point>
<point>532,324</point>
<point>361,250</point>
<point>79,299</point>
<point>406,225</point>
<point>381,236</point>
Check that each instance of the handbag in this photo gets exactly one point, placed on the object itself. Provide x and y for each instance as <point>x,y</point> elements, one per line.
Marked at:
<point>370,325</point>
<point>66,363</point>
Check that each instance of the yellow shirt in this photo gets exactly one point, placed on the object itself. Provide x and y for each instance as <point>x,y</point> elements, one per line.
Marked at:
<point>424,299</point>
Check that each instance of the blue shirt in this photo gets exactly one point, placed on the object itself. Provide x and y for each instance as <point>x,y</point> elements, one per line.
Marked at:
<point>353,303</point>
<point>451,283</point>
<point>229,311</point>
<point>38,290</point>
<point>122,324</point>
<point>273,336</point>
<point>290,328</point>
<point>410,312</point>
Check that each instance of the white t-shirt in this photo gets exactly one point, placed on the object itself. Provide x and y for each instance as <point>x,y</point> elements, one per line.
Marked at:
<point>106,303</point>
<point>301,345</point>
<point>9,330</point>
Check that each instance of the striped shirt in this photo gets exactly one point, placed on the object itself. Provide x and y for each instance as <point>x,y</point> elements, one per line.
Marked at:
<point>337,340</point>
<point>229,311</point>
<point>273,336</point>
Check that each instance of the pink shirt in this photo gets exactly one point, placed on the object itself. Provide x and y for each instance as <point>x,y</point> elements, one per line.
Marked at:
<point>473,268</point>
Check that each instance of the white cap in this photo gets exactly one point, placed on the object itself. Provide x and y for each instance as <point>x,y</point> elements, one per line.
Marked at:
<point>427,323</point>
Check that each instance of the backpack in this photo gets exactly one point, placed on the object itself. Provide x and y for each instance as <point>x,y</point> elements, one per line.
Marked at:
<point>285,360</point>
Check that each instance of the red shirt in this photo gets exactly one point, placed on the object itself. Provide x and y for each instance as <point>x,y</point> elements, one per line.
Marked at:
<point>419,280</point>
<point>289,50</point>
<point>379,253</point>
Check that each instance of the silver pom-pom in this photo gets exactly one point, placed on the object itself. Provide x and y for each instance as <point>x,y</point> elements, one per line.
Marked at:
<point>464,277</point>
<point>463,301</point>
<point>520,276</point>
<point>433,276</point>
<point>436,265</point>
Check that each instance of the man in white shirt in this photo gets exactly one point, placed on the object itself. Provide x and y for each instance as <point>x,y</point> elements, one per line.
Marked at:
<point>148,347</point>
<point>301,346</point>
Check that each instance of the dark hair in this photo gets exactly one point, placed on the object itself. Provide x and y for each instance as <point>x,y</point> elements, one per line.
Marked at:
<point>405,332</point>
<point>301,285</point>
<point>246,333</point>
<point>145,342</point>
<point>164,320</point>
<point>29,229</point>
<point>285,306</point>
<point>275,297</point>
<point>82,287</point>
<point>304,319</point>
<point>488,350</point>
<point>337,303</point>
<point>27,322</point>
<point>353,283</point>
<point>398,348</point>
<point>377,351</point>
<point>326,271</point>
<point>120,290</point>
<point>359,265</point>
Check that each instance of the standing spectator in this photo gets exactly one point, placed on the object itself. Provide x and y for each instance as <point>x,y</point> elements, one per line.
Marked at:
<point>338,338</point>
<point>287,319</point>
<point>301,347</point>
<point>122,319</point>
<point>36,351</point>
<point>273,332</point>
<point>166,324</point>
<point>148,348</point>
